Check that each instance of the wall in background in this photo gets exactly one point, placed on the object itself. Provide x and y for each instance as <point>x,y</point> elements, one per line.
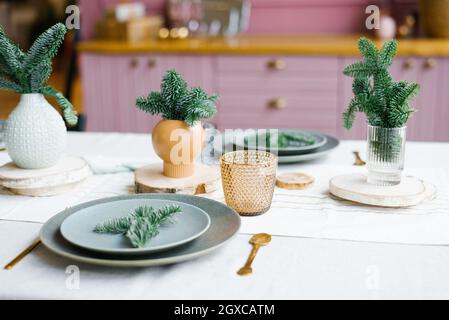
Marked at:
<point>93,10</point>
<point>274,16</point>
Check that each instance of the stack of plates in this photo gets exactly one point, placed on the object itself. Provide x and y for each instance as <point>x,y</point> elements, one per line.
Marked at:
<point>203,226</point>
<point>321,146</point>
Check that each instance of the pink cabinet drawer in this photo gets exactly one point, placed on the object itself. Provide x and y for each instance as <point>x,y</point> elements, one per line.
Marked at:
<point>250,76</point>
<point>273,119</point>
<point>292,103</point>
<point>251,84</point>
<point>277,64</point>
<point>308,111</point>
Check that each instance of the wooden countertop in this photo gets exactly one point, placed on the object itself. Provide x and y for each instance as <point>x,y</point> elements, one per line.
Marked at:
<point>254,45</point>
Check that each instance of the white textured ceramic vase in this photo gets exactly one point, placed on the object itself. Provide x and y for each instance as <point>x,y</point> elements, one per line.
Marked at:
<point>35,134</point>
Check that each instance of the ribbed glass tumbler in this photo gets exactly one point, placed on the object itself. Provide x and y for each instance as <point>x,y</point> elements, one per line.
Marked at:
<point>248,179</point>
<point>385,158</point>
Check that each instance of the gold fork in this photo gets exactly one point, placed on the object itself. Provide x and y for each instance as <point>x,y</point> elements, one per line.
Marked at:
<point>358,159</point>
<point>23,254</point>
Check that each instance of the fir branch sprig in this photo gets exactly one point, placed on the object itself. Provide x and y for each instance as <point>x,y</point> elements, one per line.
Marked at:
<point>67,107</point>
<point>385,102</point>
<point>29,72</point>
<point>115,226</point>
<point>140,225</point>
<point>176,101</point>
<point>140,231</point>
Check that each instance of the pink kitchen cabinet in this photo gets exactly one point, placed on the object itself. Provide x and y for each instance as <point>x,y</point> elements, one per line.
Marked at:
<point>270,91</point>
<point>442,106</point>
<point>278,92</point>
<point>426,72</point>
<point>111,84</point>
<point>248,86</point>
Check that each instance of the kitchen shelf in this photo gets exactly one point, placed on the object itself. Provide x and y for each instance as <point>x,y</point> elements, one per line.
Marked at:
<point>345,45</point>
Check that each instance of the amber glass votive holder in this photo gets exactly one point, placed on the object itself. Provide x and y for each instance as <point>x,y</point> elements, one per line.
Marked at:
<point>248,179</point>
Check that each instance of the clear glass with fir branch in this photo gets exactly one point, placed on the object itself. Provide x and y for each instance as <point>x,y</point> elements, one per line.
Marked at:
<point>385,155</point>
<point>386,104</point>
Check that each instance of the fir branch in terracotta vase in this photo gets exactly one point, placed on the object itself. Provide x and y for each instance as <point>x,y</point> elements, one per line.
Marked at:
<point>178,137</point>
<point>176,101</point>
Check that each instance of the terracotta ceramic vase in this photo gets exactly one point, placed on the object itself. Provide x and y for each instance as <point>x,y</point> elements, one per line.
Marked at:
<point>178,145</point>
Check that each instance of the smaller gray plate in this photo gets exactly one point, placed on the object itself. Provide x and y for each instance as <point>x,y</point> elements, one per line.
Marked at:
<point>78,228</point>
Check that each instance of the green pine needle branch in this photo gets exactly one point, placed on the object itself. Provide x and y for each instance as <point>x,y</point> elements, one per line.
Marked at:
<point>140,225</point>
<point>385,102</point>
<point>176,101</point>
<point>29,72</point>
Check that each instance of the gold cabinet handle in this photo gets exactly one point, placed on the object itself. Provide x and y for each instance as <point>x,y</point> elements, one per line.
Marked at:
<point>151,63</point>
<point>277,103</point>
<point>429,63</point>
<point>134,63</point>
<point>277,64</point>
<point>408,64</point>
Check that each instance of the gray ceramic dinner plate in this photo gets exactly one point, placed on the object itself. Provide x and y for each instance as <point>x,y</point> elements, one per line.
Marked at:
<point>78,227</point>
<point>331,144</point>
<point>225,223</point>
<point>320,140</point>
<point>323,151</point>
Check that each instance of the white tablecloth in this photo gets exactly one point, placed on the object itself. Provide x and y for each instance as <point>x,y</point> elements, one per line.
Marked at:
<point>309,213</point>
<point>290,267</point>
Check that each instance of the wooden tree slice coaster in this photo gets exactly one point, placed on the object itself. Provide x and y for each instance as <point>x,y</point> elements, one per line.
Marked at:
<point>294,180</point>
<point>354,187</point>
<point>149,179</point>
<point>62,177</point>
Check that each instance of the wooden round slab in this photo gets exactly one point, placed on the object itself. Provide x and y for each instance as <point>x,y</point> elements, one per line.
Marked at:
<point>354,187</point>
<point>294,180</point>
<point>62,177</point>
<point>149,179</point>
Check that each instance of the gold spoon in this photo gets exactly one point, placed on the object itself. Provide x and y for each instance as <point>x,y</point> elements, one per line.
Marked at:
<point>257,240</point>
<point>358,159</point>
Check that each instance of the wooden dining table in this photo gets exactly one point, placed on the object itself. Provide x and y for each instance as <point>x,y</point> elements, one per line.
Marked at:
<point>290,267</point>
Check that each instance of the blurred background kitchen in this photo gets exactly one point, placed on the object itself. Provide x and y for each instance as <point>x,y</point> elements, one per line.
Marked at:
<point>275,63</point>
